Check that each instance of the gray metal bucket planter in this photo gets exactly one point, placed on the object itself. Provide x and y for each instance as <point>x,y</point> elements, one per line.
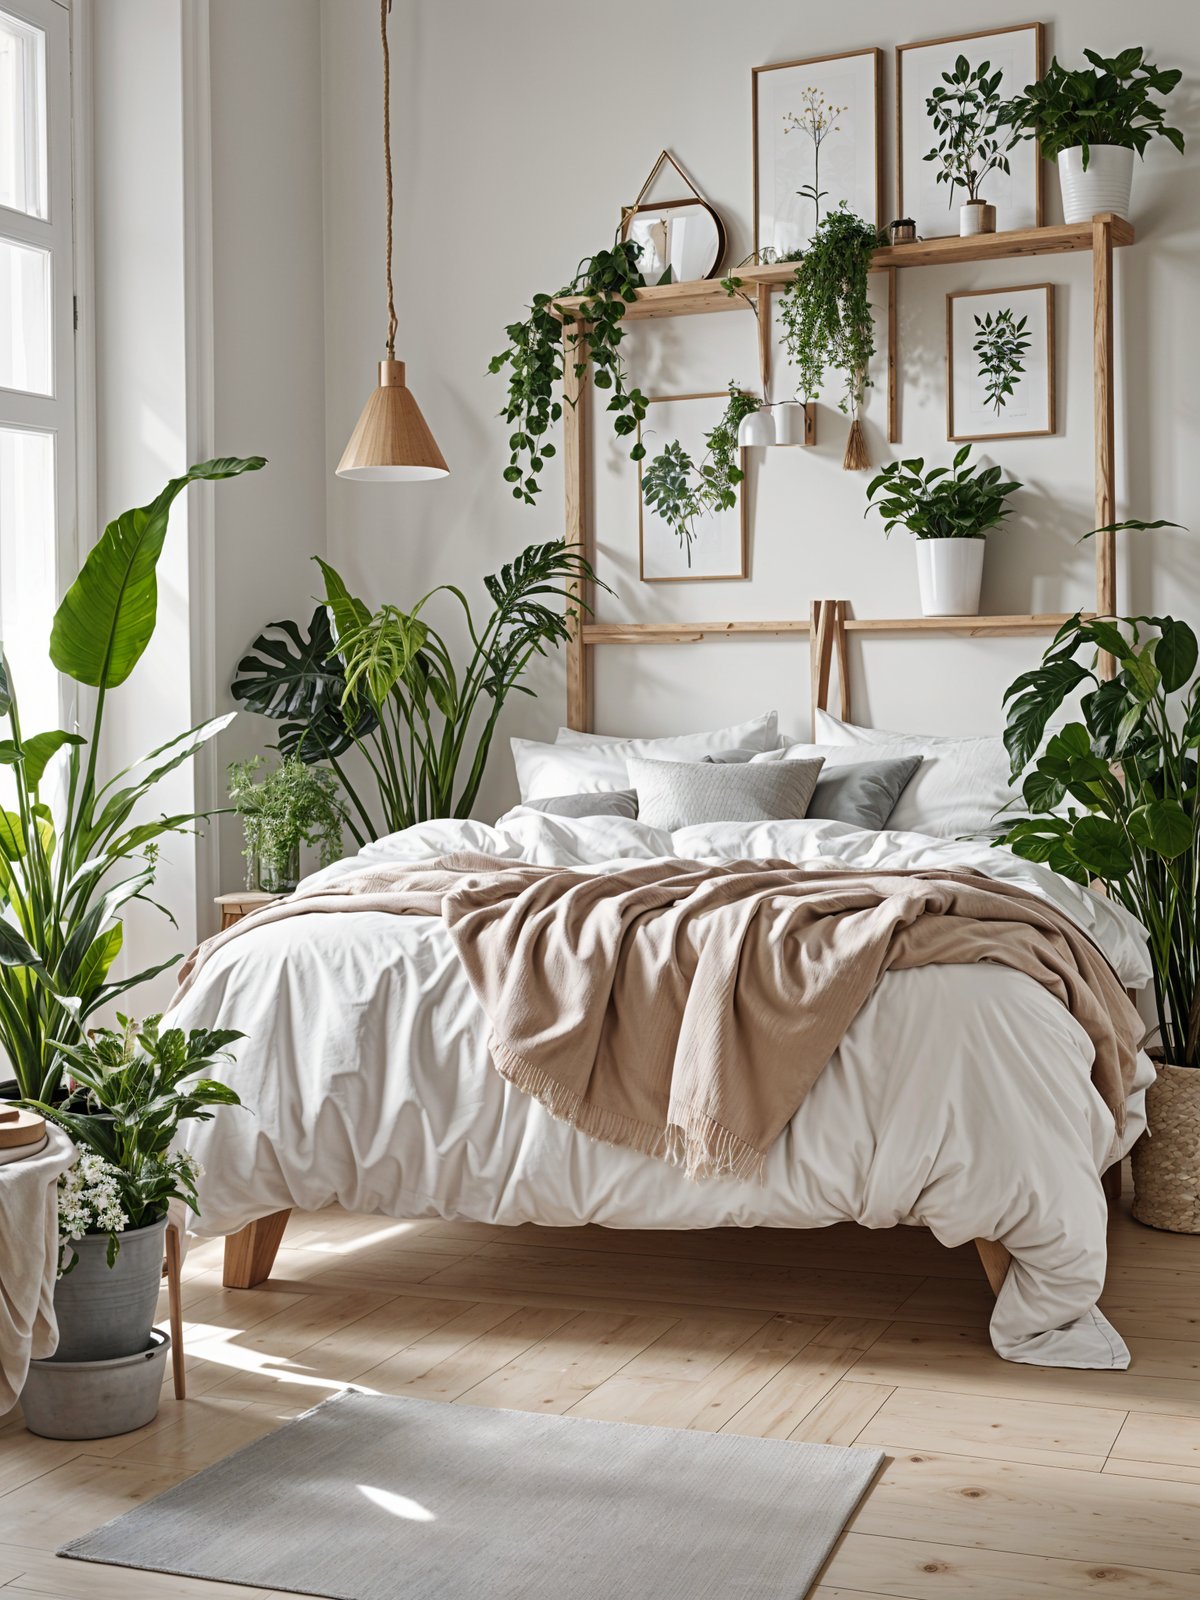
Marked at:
<point>95,1399</point>
<point>106,1311</point>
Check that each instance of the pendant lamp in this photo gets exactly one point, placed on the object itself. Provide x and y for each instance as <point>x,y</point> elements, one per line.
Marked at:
<point>392,442</point>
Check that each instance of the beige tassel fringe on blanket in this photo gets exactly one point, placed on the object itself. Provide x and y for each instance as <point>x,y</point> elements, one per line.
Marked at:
<point>685,1010</point>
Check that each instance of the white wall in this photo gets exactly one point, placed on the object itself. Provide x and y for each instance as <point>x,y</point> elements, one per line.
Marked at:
<point>519,130</point>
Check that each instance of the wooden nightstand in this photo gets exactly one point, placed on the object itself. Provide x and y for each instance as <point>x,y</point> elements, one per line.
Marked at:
<point>236,906</point>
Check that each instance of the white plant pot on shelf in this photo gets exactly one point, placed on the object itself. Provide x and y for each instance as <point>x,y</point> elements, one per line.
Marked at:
<point>976,216</point>
<point>950,573</point>
<point>1104,186</point>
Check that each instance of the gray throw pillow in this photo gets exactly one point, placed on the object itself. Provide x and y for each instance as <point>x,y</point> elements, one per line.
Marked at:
<point>674,794</point>
<point>863,793</point>
<point>613,803</point>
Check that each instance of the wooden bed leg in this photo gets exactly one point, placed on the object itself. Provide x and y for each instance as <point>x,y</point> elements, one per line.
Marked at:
<point>175,1303</point>
<point>996,1260</point>
<point>1111,1180</point>
<point>250,1254</point>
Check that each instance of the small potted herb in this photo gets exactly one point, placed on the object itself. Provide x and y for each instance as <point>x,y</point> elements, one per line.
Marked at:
<point>1091,121</point>
<point>293,805</point>
<point>132,1087</point>
<point>949,511</point>
<point>965,111</point>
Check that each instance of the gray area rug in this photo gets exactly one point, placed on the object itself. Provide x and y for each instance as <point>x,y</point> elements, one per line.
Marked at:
<point>370,1497</point>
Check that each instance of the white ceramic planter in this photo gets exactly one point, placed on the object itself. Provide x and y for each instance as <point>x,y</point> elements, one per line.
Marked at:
<point>1104,186</point>
<point>757,428</point>
<point>950,572</point>
<point>976,216</point>
<point>790,423</point>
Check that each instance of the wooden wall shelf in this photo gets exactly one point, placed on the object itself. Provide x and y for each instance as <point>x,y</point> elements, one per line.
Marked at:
<point>686,299</point>
<point>996,627</point>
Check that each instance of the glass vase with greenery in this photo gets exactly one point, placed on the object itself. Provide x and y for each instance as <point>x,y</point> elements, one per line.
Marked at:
<point>1112,796</point>
<point>397,695</point>
<point>956,502</point>
<point>1109,102</point>
<point>826,316</point>
<point>67,870</point>
<point>132,1087</point>
<point>291,806</point>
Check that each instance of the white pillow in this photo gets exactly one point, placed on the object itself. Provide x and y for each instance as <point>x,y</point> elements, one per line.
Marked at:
<point>596,765</point>
<point>760,733</point>
<point>960,786</point>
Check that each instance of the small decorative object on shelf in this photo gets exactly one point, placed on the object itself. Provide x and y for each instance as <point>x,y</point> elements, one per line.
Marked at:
<point>1091,122</point>
<point>1000,363</point>
<point>1112,796</point>
<point>902,231</point>
<point>132,1089</point>
<point>953,89</point>
<point>681,239</point>
<point>293,805</point>
<point>949,510</point>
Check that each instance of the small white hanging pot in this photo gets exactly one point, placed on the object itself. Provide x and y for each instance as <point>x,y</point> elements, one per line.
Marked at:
<point>950,573</point>
<point>757,428</point>
<point>791,423</point>
<point>1104,186</point>
<point>976,216</point>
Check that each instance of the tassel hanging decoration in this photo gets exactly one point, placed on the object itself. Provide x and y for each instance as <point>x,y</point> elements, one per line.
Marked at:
<point>856,457</point>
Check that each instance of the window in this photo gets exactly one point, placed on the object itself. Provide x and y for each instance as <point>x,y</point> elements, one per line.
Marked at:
<point>37,390</point>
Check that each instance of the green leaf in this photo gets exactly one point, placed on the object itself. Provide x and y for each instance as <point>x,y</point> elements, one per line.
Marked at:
<point>107,616</point>
<point>41,748</point>
<point>98,958</point>
<point>1100,846</point>
<point>1162,826</point>
<point>347,614</point>
<point>1175,654</point>
<point>297,679</point>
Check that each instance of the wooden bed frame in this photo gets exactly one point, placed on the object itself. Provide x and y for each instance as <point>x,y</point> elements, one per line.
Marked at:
<point>249,1255</point>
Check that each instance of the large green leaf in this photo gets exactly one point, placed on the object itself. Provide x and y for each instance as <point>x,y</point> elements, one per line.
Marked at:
<point>1162,826</point>
<point>298,680</point>
<point>41,748</point>
<point>108,614</point>
<point>1101,847</point>
<point>1175,654</point>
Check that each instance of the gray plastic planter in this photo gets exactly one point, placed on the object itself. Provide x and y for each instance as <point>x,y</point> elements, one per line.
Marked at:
<point>108,1311</point>
<point>95,1399</point>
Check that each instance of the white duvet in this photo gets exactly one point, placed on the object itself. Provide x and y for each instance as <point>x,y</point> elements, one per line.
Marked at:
<point>959,1100</point>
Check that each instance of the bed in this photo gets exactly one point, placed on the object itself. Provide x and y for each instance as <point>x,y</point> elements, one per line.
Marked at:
<point>369,1083</point>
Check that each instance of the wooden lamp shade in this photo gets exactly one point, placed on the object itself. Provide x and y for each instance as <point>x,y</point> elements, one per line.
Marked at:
<point>392,442</point>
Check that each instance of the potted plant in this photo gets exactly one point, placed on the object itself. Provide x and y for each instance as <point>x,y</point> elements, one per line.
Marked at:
<point>132,1088</point>
<point>293,805</point>
<point>826,316</point>
<point>386,684</point>
<point>1091,121</point>
<point>949,510</point>
<point>1113,798</point>
<point>66,871</point>
<point>965,111</point>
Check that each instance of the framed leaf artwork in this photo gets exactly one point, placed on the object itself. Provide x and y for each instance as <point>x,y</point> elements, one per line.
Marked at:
<point>717,541</point>
<point>816,144</point>
<point>1000,363</point>
<point>1016,53</point>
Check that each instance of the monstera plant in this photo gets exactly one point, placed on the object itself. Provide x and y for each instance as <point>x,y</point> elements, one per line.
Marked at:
<point>386,683</point>
<point>67,870</point>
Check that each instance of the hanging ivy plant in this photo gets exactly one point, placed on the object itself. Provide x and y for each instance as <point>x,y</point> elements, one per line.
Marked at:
<point>682,491</point>
<point>538,346</point>
<point>826,317</point>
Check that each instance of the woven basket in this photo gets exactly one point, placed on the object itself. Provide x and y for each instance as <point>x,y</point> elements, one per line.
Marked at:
<point>1166,1161</point>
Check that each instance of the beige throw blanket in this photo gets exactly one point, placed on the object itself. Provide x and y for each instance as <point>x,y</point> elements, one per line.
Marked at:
<point>685,1010</point>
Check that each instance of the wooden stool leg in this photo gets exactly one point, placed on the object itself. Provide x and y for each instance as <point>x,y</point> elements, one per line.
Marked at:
<point>250,1254</point>
<point>996,1261</point>
<point>175,1302</point>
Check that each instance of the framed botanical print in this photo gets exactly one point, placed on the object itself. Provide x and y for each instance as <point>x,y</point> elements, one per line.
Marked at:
<point>816,143</point>
<point>1016,53</point>
<point>719,540</point>
<point>1000,363</point>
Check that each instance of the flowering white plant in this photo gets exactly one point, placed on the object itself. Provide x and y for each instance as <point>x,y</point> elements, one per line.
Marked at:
<point>89,1201</point>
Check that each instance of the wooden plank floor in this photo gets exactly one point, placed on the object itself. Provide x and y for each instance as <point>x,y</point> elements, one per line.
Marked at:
<point>1003,1482</point>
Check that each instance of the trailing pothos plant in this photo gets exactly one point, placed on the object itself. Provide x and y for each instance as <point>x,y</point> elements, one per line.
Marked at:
<point>827,321</point>
<point>683,491</point>
<point>396,694</point>
<point>1001,345</point>
<point>1113,795</point>
<point>538,346</point>
<point>956,502</point>
<point>66,871</point>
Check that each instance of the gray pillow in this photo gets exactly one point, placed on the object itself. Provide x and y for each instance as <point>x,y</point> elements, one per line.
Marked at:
<point>674,794</point>
<point>863,793</point>
<point>613,803</point>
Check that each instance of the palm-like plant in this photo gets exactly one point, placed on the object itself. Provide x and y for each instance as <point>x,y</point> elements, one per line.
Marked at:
<point>65,873</point>
<point>403,704</point>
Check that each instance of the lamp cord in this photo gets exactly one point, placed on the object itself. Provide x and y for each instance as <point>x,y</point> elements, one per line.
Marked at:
<point>384,7</point>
